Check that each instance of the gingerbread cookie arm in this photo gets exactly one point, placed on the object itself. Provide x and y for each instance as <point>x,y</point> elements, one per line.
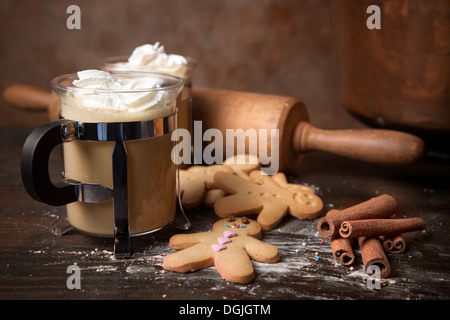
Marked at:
<point>237,205</point>
<point>212,196</point>
<point>231,183</point>
<point>271,215</point>
<point>199,256</point>
<point>281,179</point>
<point>243,164</point>
<point>182,241</point>
<point>192,190</point>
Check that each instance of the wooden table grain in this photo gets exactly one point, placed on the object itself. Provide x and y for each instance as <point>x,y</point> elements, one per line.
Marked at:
<point>34,262</point>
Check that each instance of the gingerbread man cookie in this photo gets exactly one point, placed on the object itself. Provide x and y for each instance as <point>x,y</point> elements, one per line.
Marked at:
<point>264,196</point>
<point>197,182</point>
<point>230,246</point>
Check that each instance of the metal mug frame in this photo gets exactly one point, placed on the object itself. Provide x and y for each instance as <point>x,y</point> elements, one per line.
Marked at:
<point>69,190</point>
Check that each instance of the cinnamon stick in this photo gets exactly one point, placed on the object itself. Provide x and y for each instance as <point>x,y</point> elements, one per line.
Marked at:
<point>342,250</point>
<point>323,225</point>
<point>399,244</point>
<point>378,207</point>
<point>372,253</point>
<point>380,227</point>
<point>393,244</point>
<point>387,243</point>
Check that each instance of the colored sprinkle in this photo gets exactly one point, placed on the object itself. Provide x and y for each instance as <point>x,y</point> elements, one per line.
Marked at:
<point>234,225</point>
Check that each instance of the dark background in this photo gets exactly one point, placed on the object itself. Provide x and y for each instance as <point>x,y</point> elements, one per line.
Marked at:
<point>269,46</point>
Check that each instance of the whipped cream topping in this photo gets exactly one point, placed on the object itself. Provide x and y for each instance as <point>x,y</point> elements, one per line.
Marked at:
<point>154,55</point>
<point>109,93</point>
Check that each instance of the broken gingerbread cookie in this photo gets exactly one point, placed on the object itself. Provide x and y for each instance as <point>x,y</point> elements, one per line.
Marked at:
<point>230,247</point>
<point>197,182</point>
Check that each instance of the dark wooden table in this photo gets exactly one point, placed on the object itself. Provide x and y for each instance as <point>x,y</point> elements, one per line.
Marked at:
<point>34,262</point>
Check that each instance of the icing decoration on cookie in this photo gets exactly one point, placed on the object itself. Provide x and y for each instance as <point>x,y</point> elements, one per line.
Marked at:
<point>223,240</point>
<point>234,225</point>
<point>229,234</point>
<point>244,220</point>
<point>218,247</point>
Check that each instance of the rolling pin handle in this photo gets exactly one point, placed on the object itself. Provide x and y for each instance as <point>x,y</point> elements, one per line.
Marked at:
<point>377,146</point>
<point>27,97</point>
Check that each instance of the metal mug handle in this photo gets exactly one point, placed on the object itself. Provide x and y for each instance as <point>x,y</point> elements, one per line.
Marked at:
<point>34,166</point>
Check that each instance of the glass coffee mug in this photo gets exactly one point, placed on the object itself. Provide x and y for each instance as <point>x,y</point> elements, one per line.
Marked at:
<point>185,72</point>
<point>118,178</point>
<point>184,103</point>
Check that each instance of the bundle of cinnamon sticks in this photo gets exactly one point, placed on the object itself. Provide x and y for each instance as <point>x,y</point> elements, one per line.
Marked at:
<point>370,223</point>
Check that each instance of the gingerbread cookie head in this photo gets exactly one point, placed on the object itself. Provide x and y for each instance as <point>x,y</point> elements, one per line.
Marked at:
<point>240,226</point>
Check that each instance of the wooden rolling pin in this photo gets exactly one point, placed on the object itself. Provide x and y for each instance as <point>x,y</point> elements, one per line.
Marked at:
<point>222,109</point>
<point>30,98</point>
